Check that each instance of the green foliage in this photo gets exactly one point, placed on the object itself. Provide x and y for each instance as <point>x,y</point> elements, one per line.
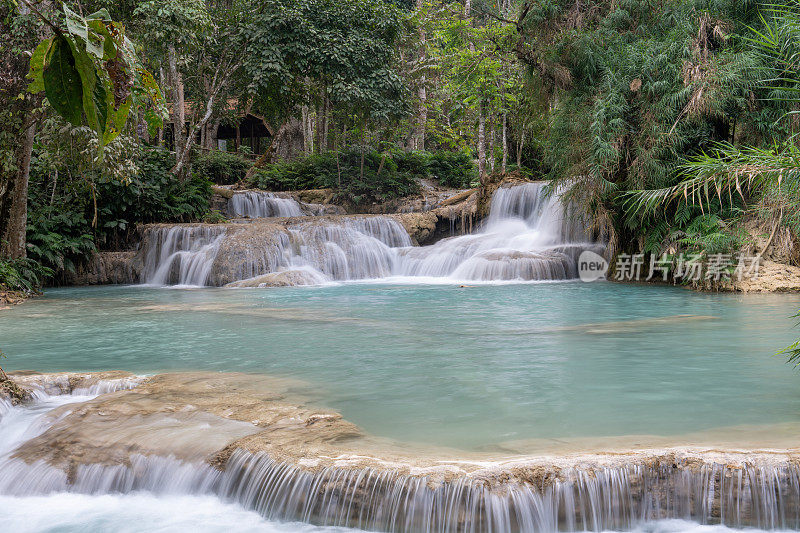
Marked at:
<point>220,167</point>
<point>153,195</point>
<point>62,206</point>
<point>452,169</point>
<point>22,275</point>
<point>58,238</point>
<point>380,179</point>
<point>214,217</point>
<point>315,51</point>
<point>91,70</point>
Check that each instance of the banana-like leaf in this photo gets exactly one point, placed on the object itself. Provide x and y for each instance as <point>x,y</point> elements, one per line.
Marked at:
<point>35,74</point>
<point>62,82</point>
<point>95,97</point>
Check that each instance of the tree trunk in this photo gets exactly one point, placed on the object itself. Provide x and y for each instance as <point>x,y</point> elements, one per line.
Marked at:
<point>12,243</point>
<point>422,93</point>
<point>492,143</point>
<point>178,112</point>
<point>505,143</point>
<point>308,143</point>
<point>482,141</point>
<point>211,136</point>
<point>322,121</point>
<point>467,7</point>
<point>422,118</point>
<point>266,157</point>
<point>326,111</point>
<point>180,165</point>
<point>520,145</point>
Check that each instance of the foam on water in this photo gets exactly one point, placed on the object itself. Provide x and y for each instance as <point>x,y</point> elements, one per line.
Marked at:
<point>151,491</point>
<point>134,513</point>
<point>530,235</point>
<point>258,204</point>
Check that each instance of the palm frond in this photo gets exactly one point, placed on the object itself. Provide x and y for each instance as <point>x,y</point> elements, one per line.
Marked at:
<point>727,172</point>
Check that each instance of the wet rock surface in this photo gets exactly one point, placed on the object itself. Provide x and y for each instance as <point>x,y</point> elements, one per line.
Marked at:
<point>251,439</point>
<point>106,268</point>
<point>211,415</point>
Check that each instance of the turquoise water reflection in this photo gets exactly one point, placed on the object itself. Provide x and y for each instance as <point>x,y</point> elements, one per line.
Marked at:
<point>465,367</point>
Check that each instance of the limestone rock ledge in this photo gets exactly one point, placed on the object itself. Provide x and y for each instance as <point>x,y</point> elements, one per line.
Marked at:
<point>107,268</point>
<point>249,439</point>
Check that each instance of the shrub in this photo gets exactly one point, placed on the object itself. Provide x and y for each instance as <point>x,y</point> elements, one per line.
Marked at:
<point>452,169</point>
<point>60,232</point>
<point>380,180</point>
<point>59,237</point>
<point>23,274</point>
<point>220,167</point>
<point>415,162</point>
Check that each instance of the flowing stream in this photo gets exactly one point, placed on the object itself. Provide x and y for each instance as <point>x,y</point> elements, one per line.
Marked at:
<point>256,493</point>
<point>258,204</point>
<point>495,369</point>
<point>530,235</point>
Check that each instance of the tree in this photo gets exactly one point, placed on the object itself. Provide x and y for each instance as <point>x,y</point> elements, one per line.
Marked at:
<point>476,66</point>
<point>323,54</point>
<point>19,34</point>
<point>88,71</point>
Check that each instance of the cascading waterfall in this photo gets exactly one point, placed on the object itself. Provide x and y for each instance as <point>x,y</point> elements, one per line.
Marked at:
<point>338,250</point>
<point>383,499</point>
<point>180,255</point>
<point>258,204</point>
<point>529,235</point>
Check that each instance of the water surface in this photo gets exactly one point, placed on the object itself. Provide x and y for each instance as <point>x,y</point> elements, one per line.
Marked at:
<point>468,367</point>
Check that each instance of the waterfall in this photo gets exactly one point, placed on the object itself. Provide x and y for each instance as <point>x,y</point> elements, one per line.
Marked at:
<point>529,235</point>
<point>519,499</point>
<point>258,204</point>
<point>180,255</point>
<point>336,249</point>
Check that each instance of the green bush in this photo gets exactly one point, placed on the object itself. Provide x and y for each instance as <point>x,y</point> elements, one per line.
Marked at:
<point>452,169</point>
<point>399,171</point>
<point>415,162</point>
<point>312,172</point>
<point>381,179</point>
<point>59,237</point>
<point>220,167</point>
<point>60,232</point>
<point>23,275</point>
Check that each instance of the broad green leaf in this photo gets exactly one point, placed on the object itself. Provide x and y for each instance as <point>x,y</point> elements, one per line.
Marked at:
<point>76,25</point>
<point>101,14</point>
<point>116,119</point>
<point>37,67</point>
<point>95,45</point>
<point>94,100</point>
<point>109,45</point>
<point>62,83</point>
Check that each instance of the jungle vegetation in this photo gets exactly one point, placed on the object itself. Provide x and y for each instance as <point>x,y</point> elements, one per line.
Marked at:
<point>671,123</point>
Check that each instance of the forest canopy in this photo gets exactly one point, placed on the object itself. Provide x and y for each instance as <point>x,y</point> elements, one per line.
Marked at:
<point>671,124</point>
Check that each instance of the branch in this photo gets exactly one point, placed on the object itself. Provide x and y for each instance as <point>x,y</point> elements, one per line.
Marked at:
<point>217,84</point>
<point>44,19</point>
<point>499,18</point>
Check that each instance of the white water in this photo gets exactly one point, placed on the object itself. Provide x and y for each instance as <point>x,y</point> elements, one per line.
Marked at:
<point>181,255</point>
<point>529,235</point>
<point>161,493</point>
<point>257,204</point>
